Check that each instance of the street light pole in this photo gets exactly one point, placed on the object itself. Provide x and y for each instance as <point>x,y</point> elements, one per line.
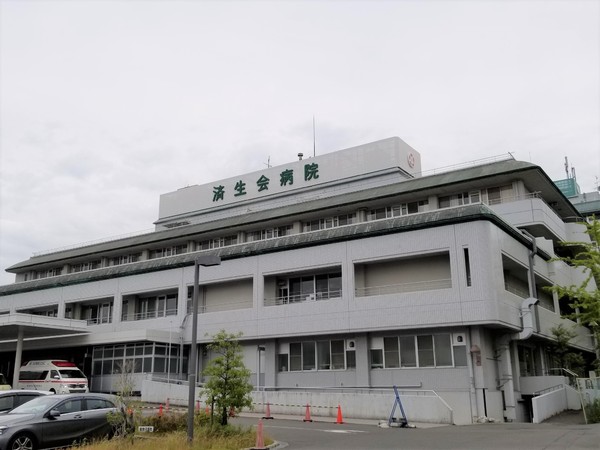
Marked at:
<point>207,260</point>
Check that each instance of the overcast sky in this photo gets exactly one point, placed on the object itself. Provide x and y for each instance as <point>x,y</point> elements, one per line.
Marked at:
<point>105,105</point>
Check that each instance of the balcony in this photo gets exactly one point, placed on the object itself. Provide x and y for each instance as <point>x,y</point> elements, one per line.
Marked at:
<point>402,288</point>
<point>303,298</point>
<point>145,315</point>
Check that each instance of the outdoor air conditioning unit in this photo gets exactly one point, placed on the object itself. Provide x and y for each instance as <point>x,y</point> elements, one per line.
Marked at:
<point>311,298</point>
<point>350,344</point>
<point>459,339</point>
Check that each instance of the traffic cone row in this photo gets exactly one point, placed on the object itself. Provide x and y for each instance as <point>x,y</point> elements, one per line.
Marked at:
<point>160,410</point>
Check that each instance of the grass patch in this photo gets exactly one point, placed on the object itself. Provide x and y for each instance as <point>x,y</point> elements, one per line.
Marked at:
<point>170,433</point>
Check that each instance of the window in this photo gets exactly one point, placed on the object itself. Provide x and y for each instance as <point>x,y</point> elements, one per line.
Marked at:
<point>425,351</point>
<point>392,356</point>
<point>310,287</point>
<point>282,362</point>
<point>217,242</point>
<point>98,403</point>
<point>443,350</point>
<point>467,266</point>
<point>317,355</point>
<point>125,259</point>
<point>376,358</point>
<point>408,354</point>
<point>70,406</point>
<point>324,353</point>
<point>168,251</point>
<point>268,233</point>
<point>337,355</point>
<point>296,356</point>
<point>329,222</point>
<point>308,356</point>
<point>82,267</point>
<point>418,351</point>
<point>351,359</point>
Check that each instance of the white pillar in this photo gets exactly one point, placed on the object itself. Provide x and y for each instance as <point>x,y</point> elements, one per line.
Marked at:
<point>18,357</point>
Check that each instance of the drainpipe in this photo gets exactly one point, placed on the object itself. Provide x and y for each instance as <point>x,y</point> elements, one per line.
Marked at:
<point>505,366</point>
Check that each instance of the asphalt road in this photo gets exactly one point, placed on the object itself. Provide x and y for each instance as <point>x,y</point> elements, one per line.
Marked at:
<point>297,435</point>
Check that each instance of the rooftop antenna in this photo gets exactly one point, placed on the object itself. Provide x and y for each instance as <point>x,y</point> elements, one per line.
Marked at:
<point>314,138</point>
<point>573,173</point>
<point>300,155</point>
<point>567,166</point>
<point>268,163</point>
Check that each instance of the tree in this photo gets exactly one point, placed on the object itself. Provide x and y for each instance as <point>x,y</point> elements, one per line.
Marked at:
<point>585,298</point>
<point>228,385</point>
<point>561,353</point>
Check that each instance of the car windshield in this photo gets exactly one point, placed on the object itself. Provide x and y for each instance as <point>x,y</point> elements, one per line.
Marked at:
<point>71,373</point>
<point>36,405</point>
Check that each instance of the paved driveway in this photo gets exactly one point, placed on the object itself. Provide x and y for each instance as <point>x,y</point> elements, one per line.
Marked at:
<point>498,436</point>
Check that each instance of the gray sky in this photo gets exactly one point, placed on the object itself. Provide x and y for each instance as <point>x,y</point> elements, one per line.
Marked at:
<point>105,105</point>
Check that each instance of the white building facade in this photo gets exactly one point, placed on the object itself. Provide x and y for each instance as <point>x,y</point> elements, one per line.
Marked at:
<point>347,273</point>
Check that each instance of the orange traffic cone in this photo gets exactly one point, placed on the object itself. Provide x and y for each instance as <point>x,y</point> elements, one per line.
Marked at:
<point>260,442</point>
<point>160,411</point>
<point>307,414</point>
<point>339,416</point>
<point>268,412</point>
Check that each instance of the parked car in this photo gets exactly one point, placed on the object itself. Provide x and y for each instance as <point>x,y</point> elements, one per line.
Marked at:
<point>61,420</point>
<point>16,397</point>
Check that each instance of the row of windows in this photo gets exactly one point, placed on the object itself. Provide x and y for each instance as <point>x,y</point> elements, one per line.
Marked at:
<point>318,355</point>
<point>491,195</point>
<point>268,233</point>
<point>329,222</point>
<point>419,351</point>
<point>136,358</point>
<point>398,210</point>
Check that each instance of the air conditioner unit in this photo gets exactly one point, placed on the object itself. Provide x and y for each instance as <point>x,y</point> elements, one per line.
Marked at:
<point>311,298</point>
<point>350,344</point>
<point>459,339</point>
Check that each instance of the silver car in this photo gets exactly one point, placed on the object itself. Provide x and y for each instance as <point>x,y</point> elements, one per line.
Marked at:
<point>16,397</point>
<point>60,420</point>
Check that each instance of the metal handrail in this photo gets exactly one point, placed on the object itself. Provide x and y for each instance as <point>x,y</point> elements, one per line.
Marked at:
<point>302,298</point>
<point>429,285</point>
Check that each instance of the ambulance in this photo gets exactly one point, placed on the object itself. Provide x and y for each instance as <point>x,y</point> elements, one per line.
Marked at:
<point>56,376</point>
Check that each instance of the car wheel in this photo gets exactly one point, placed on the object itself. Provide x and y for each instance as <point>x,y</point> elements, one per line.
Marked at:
<point>22,442</point>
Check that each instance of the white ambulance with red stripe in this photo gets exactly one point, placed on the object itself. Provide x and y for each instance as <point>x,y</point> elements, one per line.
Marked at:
<point>57,376</point>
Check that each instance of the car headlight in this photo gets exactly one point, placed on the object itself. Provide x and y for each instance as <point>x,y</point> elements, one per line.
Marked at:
<point>3,429</point>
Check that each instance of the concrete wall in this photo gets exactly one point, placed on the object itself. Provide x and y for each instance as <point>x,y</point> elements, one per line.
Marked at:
<point>552,403</point>
<point>419,406</point>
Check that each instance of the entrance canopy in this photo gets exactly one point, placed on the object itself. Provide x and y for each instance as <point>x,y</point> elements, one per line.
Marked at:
<point>34,326</point>
<point>17,327</point>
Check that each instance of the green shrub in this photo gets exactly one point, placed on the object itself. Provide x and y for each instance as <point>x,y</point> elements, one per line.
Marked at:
<point>592,411</point>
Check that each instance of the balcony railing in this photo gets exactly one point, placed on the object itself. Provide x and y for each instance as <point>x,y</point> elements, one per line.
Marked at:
<point>99,320</point>
<point>429,285</point>
<point>303,298</point>
<point>148,315</point>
